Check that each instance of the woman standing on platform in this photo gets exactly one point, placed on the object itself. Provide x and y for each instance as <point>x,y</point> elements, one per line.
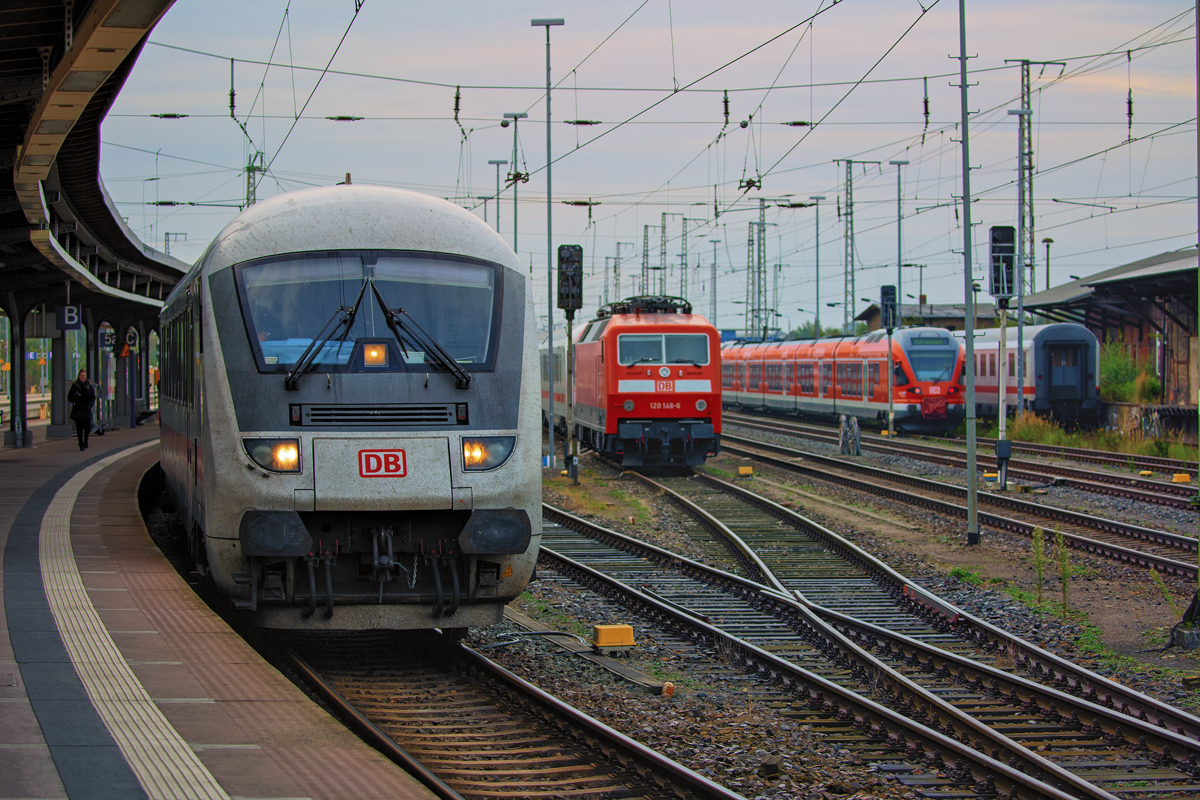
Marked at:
<point>82,397</point>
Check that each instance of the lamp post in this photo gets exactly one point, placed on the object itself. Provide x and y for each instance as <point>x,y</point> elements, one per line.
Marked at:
<point>514,175</point>
<point>1047,241</point>
<point>712,284</point>
<point>899,241</point>
<point>548,24</point>
<point>817,198</point>
<point>498,163</point>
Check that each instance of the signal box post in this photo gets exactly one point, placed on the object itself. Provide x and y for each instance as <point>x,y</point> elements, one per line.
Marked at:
<point>570,300</point>
<point>1003,240</point>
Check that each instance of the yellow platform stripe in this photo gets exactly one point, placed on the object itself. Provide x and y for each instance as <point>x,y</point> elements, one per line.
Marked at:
<point>166,766</point>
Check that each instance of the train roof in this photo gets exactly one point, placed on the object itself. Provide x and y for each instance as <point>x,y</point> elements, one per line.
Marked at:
<point>355,217</point>
<point>1052,331</point>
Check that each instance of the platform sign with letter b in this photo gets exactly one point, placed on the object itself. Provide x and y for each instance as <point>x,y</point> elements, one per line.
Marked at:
<point>70,318</point>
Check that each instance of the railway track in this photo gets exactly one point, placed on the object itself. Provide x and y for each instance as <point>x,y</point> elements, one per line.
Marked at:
<point>1087,725</point>
<point>1078,454</point>
<point>468,728</point>
<point>1173,495</point>
<point>819,681</point>
<point>1131,544</point>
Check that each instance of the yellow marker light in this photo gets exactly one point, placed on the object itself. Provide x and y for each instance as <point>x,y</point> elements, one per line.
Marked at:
<point>473,453</point>
<point>275,455</point>
<point>375,355</point>
<point>285,456</point>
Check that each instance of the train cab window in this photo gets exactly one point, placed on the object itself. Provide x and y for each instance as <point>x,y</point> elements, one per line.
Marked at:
<point>594,330</point>
<point>934,365</point>
<point>289,303</point>
<point>899,375</point>
<point>662,348</point>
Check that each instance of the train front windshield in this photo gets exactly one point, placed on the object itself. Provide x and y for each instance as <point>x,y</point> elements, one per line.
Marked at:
<point>659,348</point>
<point>934,366</point>
<point>288,302</point>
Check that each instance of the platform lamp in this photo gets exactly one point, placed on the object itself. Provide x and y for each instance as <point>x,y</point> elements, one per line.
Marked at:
<point>548,24</point>
<point>1047,241</point>
<point>497,162</point>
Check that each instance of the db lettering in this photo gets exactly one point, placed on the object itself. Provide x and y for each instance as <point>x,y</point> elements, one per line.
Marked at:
<point>382,464</point>
<point>664,386</point>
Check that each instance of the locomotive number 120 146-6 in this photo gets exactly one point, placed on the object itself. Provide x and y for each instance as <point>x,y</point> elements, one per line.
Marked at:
<point>665,406</point>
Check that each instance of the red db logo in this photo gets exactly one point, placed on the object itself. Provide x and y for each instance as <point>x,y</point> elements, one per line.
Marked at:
<point>382,464</point>
<point>664,386</point>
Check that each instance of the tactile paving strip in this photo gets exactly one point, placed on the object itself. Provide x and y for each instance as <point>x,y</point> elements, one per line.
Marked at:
<point>163,762</point>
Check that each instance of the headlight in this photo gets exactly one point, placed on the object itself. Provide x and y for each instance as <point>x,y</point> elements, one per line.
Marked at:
<point>486,452</point>
<point>276,455</point>
<point>701,405</point>
<point>628,406</point>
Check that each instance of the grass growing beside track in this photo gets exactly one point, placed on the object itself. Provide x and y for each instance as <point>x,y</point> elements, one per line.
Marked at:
<point>1030,427</point>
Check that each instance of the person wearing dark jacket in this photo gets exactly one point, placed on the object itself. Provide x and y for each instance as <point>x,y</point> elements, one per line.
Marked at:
<point>82,397</point>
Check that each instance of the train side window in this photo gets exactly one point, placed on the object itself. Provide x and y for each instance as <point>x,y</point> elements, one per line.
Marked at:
<point>1012,365</point>
<point>727,376</point>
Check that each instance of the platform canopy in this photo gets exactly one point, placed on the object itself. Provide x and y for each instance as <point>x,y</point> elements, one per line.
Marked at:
<point>62,63</point>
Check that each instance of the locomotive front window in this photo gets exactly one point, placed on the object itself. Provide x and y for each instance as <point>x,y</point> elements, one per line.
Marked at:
<point>288,301</point>
<point>933,366</point>
<point>659,348</point>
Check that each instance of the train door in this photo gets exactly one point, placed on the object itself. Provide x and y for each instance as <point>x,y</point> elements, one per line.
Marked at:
<point>1066,372</point>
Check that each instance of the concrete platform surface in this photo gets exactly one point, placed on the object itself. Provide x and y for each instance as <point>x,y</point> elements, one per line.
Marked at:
<point>117,681</point>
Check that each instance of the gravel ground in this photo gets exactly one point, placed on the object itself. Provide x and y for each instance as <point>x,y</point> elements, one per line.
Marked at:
<point>723,725</point>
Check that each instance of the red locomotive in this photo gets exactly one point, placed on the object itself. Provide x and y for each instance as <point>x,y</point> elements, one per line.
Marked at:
<point>826,378</point>
<point>647,389</point>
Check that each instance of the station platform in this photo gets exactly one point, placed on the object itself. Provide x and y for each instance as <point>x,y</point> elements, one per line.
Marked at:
<point>117,681</point>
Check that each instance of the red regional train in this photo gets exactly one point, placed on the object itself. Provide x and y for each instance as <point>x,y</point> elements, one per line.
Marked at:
<point>826,378</point>
<point>647,388</point>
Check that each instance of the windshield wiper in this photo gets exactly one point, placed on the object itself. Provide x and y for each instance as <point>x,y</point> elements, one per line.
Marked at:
<point>400,322</point>
<point>646,360</point>
<point>685,361</point>
<point>347,314</point>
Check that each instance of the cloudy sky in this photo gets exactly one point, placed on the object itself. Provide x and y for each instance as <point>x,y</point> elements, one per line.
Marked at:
<point>654,75</point>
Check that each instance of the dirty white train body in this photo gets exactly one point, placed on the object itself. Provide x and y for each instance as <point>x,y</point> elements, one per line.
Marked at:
<point>350,416</point>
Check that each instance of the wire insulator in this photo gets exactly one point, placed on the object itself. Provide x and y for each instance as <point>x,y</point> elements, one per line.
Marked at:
<point>725,103</point>
<point>925,102</point>
<point>457,101</point>
<point>232,93</point>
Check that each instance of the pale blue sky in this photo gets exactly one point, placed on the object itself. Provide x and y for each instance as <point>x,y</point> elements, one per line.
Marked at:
<point>1142,194</point>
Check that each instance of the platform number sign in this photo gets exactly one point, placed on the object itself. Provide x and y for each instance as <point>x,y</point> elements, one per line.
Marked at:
<point>570,277</point>
<point>889,318</point>
<point>1004,253</point>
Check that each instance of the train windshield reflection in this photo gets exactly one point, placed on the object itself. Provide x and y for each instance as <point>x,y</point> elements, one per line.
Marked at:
<point>935,366</point>
<point>287,301</point>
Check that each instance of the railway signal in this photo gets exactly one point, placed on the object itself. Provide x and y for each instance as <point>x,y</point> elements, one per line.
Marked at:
<point>889,318</point>
<point>570,300</point>
<point>570,278</point>
<point>1003,255</point>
